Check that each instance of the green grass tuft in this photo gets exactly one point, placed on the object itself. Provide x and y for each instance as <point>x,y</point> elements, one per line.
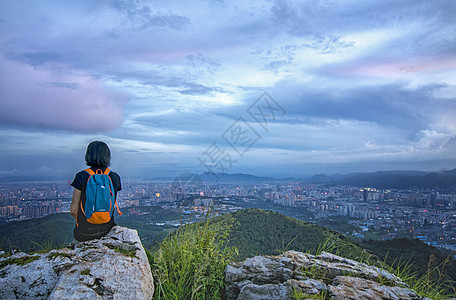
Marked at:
<point>85,272</point>
<point>191,262</point>
<point>298,295</point>
<point>126,252</point>
<point>18,261</point>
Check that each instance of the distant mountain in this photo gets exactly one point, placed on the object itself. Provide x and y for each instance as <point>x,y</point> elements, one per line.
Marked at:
<point>395,179</point>
<point>235,178</point>
<point>162,179</point>
<point>217,177</point>
<point>319,179</point>
<point>401,179</point>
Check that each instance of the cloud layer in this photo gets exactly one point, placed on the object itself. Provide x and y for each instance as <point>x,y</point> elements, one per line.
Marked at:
<point>57,99</point>
<point>365,85</point>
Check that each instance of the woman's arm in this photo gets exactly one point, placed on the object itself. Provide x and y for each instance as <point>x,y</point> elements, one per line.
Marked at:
<point>74,207</point>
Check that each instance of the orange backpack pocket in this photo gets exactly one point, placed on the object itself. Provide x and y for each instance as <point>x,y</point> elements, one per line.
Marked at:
<point>100,217</point>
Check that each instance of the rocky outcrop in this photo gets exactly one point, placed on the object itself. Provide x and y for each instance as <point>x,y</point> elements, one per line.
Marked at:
<point>297,275</point>
<point>113,267</point>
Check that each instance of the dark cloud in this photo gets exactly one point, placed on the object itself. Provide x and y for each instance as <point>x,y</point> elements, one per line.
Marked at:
<point>274,65</point>
<point>37,98</point>
<point>430,24</point>
<point>316,16</point>
<point>171,21</point>
<point>144,17</point>
<point>390,105</point>
<point>68,85</point>
<point>198,63</point>
<point>328,44</point>
<point>196,89</point>
<point>197,127</point>
<point>37,58</point>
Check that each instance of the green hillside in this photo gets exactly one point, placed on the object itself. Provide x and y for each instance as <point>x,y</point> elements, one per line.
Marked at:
<point>56,230</point>
<point>257,232</point>
<point>53,231</point>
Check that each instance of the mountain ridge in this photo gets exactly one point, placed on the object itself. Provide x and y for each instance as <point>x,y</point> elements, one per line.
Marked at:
<point>393,179</point>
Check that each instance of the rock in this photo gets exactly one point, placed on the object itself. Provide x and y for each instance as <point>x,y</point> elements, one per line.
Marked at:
<point>253,291</point>
<point>355,288</point>
<point>113,267</point>
<point>295,273</point>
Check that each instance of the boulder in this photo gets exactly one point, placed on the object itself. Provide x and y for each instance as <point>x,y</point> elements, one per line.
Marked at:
<point>299,275</point>
<point>113,267</point>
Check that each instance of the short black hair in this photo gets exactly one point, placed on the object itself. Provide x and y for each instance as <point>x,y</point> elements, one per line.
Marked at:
<point>98,154</point>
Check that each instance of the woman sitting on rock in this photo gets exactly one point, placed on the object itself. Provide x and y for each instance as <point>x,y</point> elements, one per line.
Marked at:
<point>94,195</point>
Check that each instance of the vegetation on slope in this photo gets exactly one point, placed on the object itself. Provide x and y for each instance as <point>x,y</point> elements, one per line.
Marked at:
<point>56,230</point>
<point>258,232</point>
<point>53,231</point>
<point>424,263</point>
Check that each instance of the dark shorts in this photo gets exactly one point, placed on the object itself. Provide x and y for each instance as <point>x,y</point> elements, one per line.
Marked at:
<point>90,233</point>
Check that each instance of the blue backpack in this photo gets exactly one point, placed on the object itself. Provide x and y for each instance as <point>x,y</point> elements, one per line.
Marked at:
<point>100,197</point>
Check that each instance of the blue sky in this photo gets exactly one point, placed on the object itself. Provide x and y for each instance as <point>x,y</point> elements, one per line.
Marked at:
<point>354,85</point>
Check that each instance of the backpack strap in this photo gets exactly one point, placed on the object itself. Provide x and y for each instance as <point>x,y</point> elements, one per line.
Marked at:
<point>115,200</point>
<point>118,210</point>
<point>91,172</point>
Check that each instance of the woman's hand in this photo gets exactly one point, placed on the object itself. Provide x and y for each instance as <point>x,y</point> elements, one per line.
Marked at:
<point>74,207</point>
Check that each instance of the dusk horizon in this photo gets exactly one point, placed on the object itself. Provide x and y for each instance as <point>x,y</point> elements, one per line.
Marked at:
<point>220,178</point>
<point>272,88</point>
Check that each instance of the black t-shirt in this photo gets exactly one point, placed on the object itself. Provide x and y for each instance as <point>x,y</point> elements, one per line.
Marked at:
<point>80,183</point>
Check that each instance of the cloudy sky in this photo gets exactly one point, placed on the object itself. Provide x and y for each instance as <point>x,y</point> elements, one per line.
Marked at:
<point>276,88</point>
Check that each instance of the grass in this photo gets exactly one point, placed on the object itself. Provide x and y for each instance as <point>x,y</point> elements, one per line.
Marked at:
<point>126,252</point>
<point>433,284</point>
<point>18,261</point>
<point>191,262</point>
<point>59,254</point>
<point>150,256</point>
<point>298,295</point>
<point>46,246</point>
<point>85,272</point>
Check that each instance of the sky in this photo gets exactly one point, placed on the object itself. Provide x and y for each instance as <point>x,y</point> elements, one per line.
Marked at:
<point>271,88</point>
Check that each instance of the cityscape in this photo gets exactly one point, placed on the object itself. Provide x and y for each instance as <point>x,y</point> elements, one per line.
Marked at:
<point>361,212</point>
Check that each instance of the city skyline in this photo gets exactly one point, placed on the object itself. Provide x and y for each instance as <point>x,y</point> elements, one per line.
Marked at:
<point>315,87</point>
